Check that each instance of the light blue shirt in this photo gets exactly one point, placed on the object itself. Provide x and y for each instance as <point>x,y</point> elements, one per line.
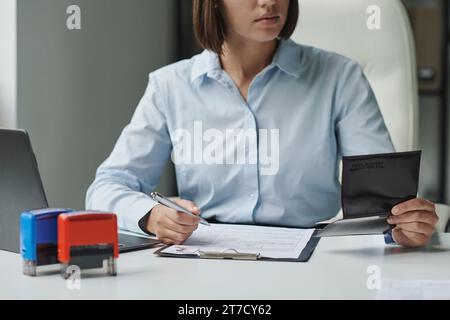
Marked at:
<point>319,104</point>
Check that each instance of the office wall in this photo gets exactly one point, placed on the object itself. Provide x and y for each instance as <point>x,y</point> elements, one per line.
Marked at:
<point>77,89</point>
<point>8,79</point>
<point>430,142</point>
<point>447,138</point>
<point>428,22</point>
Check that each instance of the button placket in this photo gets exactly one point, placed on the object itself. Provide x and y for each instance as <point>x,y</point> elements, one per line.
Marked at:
<point>254,169</point>
<point>250,171</point>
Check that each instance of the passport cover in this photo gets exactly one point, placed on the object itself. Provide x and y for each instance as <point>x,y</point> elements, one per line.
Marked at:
<point>371,186</point>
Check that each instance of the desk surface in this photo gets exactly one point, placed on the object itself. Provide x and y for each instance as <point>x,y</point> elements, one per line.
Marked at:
<point>336,270</point>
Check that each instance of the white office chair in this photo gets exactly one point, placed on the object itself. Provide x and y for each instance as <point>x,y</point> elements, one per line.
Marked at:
<point>387,56</point>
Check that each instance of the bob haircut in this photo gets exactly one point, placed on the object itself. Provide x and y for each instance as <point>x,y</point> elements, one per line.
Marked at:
<point>209,25</point>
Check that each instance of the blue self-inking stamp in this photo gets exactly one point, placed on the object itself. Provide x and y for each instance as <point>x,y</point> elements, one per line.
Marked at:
<point>39,238</point>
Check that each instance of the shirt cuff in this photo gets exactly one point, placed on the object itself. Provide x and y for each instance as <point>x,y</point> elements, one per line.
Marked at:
<point>143,223</point>
<point>138,211</point>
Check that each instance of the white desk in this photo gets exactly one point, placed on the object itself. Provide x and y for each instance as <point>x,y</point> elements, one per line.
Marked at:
<point>336,270</point>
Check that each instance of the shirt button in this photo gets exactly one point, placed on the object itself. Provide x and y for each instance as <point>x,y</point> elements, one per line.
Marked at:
<point>252,196</point>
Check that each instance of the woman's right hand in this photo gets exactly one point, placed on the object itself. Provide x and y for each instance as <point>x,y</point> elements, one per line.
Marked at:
<point>171,226</point>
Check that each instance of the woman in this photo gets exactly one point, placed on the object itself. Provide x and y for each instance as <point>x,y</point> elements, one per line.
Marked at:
<point>251,83</point>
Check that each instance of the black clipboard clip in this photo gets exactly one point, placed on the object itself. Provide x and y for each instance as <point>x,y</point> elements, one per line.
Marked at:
<point>228,254</point>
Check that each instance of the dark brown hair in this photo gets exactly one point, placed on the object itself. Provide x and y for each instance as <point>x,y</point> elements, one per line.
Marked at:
<point>209,25</point>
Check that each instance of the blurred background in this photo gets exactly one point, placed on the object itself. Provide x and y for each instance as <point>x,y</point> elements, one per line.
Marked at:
<point>75,90</point>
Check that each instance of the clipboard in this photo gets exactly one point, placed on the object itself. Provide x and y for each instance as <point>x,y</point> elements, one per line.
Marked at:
<point>232,254</point>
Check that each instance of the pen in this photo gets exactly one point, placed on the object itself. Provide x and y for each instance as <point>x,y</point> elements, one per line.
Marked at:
<point>169,203</point>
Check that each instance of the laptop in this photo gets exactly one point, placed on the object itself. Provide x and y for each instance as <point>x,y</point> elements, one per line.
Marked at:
<point>21,189</point>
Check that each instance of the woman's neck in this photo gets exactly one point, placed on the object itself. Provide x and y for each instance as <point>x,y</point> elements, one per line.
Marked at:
<point>243,60</point>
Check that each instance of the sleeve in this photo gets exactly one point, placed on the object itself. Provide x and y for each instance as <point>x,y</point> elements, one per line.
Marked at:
<point>124,180</point>
<point>360,127</point>
<point>359,124</point>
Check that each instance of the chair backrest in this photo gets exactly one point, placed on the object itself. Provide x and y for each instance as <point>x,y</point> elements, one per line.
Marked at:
<point>377,34</point>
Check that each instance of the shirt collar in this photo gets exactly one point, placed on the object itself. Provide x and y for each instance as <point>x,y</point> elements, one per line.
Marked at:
<point>205,63</point>
<point>287,58</point>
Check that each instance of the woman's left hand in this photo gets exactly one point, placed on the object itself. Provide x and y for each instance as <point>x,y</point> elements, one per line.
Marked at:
<point>415,222</point>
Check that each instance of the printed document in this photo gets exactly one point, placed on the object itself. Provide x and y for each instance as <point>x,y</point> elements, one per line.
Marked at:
<point>268,242</point>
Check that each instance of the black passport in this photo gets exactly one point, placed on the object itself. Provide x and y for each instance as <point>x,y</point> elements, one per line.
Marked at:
<point>371,186</point>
